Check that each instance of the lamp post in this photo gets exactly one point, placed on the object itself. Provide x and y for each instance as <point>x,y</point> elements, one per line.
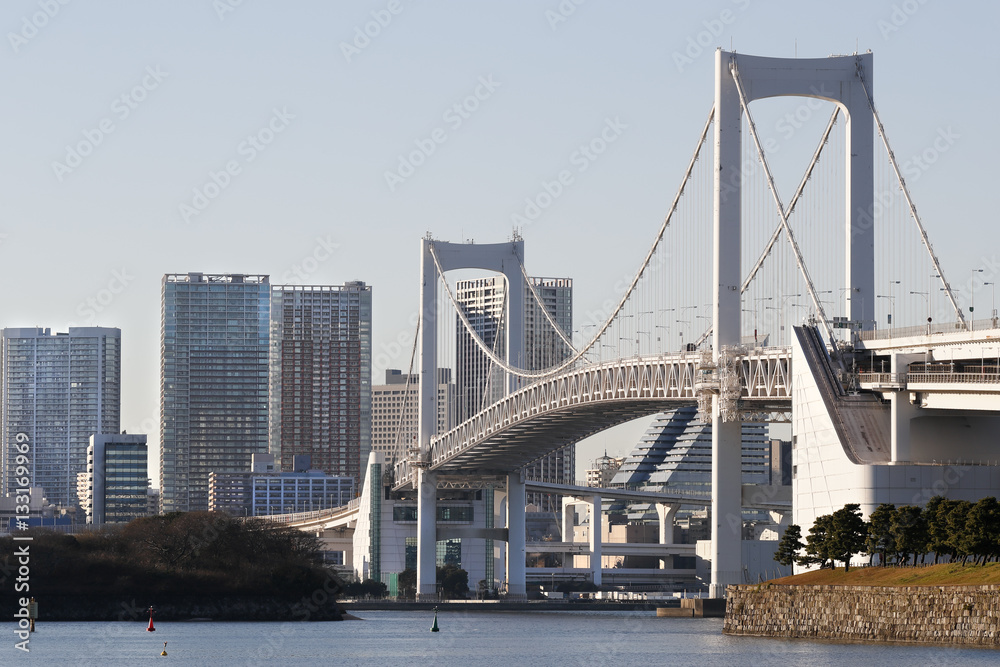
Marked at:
<point>604,345</point>
<point>927,299</point>
<point>681,333</point>
<point>892,308</point>
<point>941,289</point>
<point>892,303</point>
<point>638,349</point>
<point>756,307</point>
<point>705,317</point>
<point>621,338</point>
<point>753,313</point>
<point>993,314</point>
<point>784,300</point>
<point>780,327</point>
<point>664,327</point>
<point>972,299</point>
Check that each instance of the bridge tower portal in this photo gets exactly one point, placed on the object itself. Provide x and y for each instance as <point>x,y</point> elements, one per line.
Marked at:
<point>507,259</point>
<point>835,79</point>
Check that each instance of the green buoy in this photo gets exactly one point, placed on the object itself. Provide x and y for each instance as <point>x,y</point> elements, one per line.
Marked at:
<point>434,627</point>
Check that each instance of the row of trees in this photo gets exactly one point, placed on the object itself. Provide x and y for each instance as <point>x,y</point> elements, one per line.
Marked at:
<point>959,529</point>
<point>453,582</point>
<point>198,553</point>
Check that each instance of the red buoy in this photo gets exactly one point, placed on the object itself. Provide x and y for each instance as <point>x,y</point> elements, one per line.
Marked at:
<point>150,628</point>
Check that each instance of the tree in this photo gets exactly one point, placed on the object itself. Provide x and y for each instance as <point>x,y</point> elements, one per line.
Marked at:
<point>454,581</point>
<point>789,546</point>
<point>818,542</point>
<point>909,532</point>
<point>983,526</point>
<point>959,539</point>
<point>879,539</point>
<point>937,526</point>
<point>407,583</point>
<point>369,588</point>
<point>846,534</point>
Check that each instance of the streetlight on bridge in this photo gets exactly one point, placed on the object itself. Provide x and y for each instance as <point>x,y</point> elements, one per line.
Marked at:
<point>993,315</point>
<point>892,308</point>
<point>681,333</point>
<point>927,299</point>
<point>756,307</point>
<point>638,350</point>
<point>705,317</point>
<point>665,328</point>
<point>972,299</point>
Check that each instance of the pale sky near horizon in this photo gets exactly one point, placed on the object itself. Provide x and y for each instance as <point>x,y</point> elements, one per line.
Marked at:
<point>129,146</point>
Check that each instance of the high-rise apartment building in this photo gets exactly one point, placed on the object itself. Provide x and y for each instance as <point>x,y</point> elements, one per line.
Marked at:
<point>478,383</point>
<point>57,391</point>
<point>394,411</point>
<point>321,352</point>
<point>214,381</point>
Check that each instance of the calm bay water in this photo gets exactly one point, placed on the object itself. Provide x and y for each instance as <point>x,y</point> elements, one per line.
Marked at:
<point>466,639</point>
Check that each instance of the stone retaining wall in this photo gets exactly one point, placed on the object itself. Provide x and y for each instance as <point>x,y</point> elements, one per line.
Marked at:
<point>920,614</point>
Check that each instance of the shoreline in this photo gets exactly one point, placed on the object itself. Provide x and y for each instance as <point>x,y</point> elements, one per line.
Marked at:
<point>914,615</point>
<point>501,605</point>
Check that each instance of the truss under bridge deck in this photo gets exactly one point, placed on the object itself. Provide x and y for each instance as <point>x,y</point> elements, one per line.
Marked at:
<point>580,402</point>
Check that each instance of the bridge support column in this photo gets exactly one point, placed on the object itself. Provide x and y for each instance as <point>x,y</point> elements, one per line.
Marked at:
<point>426,534</point>
<point>666,514</point>
<point>596,533</point>
<point>516,501</point>
<point>568,518</point>
<point>727,500</point>
<point>901,410</point>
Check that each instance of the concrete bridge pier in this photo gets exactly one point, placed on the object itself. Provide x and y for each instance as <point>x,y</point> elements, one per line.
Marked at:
<point>666,514</point>
<point>426,534</point>
<point>596,531</point>
<point>516,500</point>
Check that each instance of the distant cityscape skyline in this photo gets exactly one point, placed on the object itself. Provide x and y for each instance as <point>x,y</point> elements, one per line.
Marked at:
<point>186,94</point>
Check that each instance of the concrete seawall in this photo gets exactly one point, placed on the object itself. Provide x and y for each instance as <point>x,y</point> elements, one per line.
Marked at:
<point>968,615</point>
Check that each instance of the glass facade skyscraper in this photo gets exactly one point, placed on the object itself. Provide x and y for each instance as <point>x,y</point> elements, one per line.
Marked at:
<point>116,478</point>
<point>478,383</point>
<point>58,390</point>
<point>321,369</point>
<point>214,381</point>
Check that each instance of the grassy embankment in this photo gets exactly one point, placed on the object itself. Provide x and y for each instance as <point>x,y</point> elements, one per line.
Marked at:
<point>950,574</point>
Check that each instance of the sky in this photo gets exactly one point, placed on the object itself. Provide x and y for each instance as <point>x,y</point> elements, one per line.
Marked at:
<point>317,142</point>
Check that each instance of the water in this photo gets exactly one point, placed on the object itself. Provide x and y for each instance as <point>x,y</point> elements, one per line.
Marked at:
<point>467,639</point>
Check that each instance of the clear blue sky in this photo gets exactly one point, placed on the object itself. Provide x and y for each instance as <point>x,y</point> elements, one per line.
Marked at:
<point>161,95</point>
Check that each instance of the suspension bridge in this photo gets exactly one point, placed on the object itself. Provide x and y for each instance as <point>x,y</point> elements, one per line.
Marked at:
<point>750,305</point>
